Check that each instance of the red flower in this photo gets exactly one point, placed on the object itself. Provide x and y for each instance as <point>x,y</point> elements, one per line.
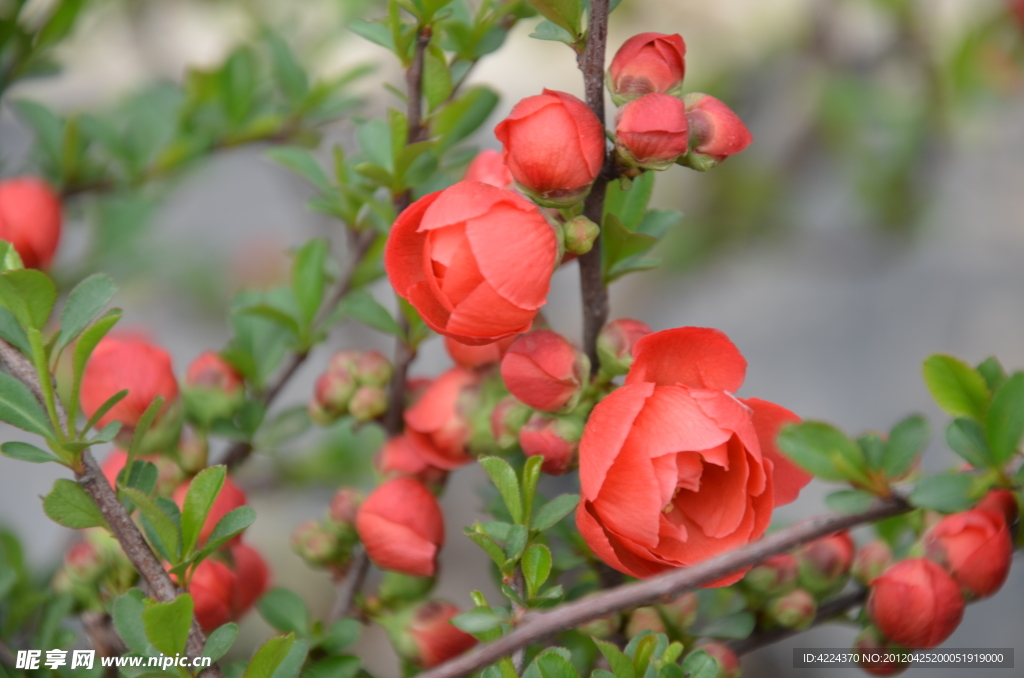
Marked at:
<point>916,604</point>
<point>403,457</point>
<point>673,468</point>
<point>489,167</point>
<point>554,147</point>
<point>1003,502</point>
<point>438,424</point>
<point>127,362</point>
<point>715,132</point>
<point>475,260</point>
<point>651,132</point>
<point>648,62</point>
<point>402,528</point>
<point>228,499</point>
<point>30,219</point>
<point>223,592</point>
<point>212,371</point>
<point>543,370</point>
<point>975,546</point>
<point>252,577</point>
<point>557,439</point>
<point>435,638</point>
<point>472,357</point>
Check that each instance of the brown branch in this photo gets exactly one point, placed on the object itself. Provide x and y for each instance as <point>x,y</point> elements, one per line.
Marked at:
<point>826,613</point>
<point>662,588</point>
<point>592,287</point>
<point>349,586</point>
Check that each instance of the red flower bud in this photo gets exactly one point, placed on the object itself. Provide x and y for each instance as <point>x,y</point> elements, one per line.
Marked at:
<point>30,220</point>
<point>916,604</point>
<point>473,357</point>
<point>508,418</point>
<point>728,662</point>
<point>331,396</point>
<point>557,439</point>
<point>870,643</point>
<point>127,362</point>
<point>436,639</point>
<point>871,561</point>
<point>474,260</point>
<point>346,360</point>
<point>316,544</point>
<point>543,370</point>
<point>402,457</point>
<point>580,234</point>
<point>778,574</point>
<point>368,403</point>
<point>252,578</point>
<point>615,344</point>
<point>1003,502</point>
<point>373,369</point>
<point>715,132</point>
<point>794,610</point>
<point>651,132</point>
<point>212,589</point>
<point>975,547</point>
<point>438,423</point>
<point>554,147</point>
<point>193,450</point>
<point>824,563</point>
<point>344,506</point>
<point>682,611</point>
<point>1017,8</point>
<point>644,619</point>
<point>212,371</point>
<point>402,527</point>
<point>228,499</point>
<point>488,167</point>
<point>648,62</point>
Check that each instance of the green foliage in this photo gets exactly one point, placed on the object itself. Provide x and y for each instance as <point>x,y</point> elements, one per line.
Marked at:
<point>202,492</point>
<point>956,387</point>
<point>167,624</point>
<point>269,656</point>
<point>285,611</point>
<point>68,504</point>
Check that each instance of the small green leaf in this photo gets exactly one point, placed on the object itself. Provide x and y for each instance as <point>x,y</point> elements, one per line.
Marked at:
<point>104,408</point>
<point>374,32</point>
<point>360,305</point>
<point>621,244</point>
<point>20,408</point>
<point>142,475</point>
<point>531,476</point>
<point>821,449</point>
<point>220,641</point>
<point>69,505</point>
<point>163,527</point>
<point>849,501</point>
<point>734,626</point>
<point>292,663</point>
<point>83,304</point>
<point>699,664</point>
<point>202,492</point>
<point>285,611</point>
<point>966,437</point>
<point>227,527</point>
<point>127,613</point>
<point>504,478</point>
<point>341,635</point>
<point>991,370</point>
<point>29,453</point>
<point>479,620</point>
<point>269,656</point>
<point>83,350</point>
<point>143,425</point>
<point>302,162</point>
<point>565,13</point>
<point>548,30</point>
<point>630,205</point>
<point>10,330</point>
<point>28,294</point>
<point>167,624</point>
<point>1005,425</point>
<point>550,664</point>
<point>956,387</point>
<point>288,73</point>
<point>536,566</point>
<point>463,116</point>
<point>946,493</point>
<point>551,513</point>
<point>906,443</point>
<point>490,547</point>
<point>345,666</point>
<point>516,542</point>
<point>620,664</point>
<point>874,449</point>
<point>437,79</point>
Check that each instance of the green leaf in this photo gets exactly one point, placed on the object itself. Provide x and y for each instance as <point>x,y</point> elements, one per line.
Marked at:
<point>531,476</point>
<point>490,547</point>
<point>234,522</point>
<point>991,370</point>
<point>83,349</point>
<point>462,117</point>
<point>278,316</point>
<point>341,635</point>
<point>60,23</point>
<point>69,505</point>
<point>630,205</point>
<point>504,478</point>
<point>291,665</point>
<point>269,656</point>
<point>29,453</point>
<point>945,494</point>
<point>127,613</point>
<point>966,437</point>
<point>309,279</point>
<point>284,426</point>
<point>906,443</point>
<point>1005,425</point>
<point>48,128</point>
<point>958,389</point>
<point>550,664</point>
<point>551,513</point>
<point>220,641</point>
<point>143,425</point>
<point>29,295</point>
<point>516,542</point>
<point>849,501</point>
<point>167,624</point>
<point>285,611</point>
<point>10,260</point>
<point>699,664</point>
<point>375,140</point>
<point>142,475</point>
<point>620,664</point>
<point>873,447</point>
<point>820,449</point>
<point>302,162</point>
<point>565,13</point>
<point>83,304</point>
<point>735,626</point>
<point>163,527</point>
<point>437,79</point>
<point>547,30</point>
<point>288,73</point>
<point>10,330</point>
<point>478,620</point>
<point>237,84</point>
<point>104,408</point>
<point>374,32</point>
<point>621,244</point>
<point>360,305</point>
<point>345,666</point>
<point>199,498</point>
<point>536,566</point>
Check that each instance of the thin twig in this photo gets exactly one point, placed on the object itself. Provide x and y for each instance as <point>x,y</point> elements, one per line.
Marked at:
<point>826,613</point>
<point>349,586</point>
<point>662,588</point>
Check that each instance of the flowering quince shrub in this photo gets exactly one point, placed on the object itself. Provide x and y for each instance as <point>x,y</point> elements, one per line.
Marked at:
<point>661,564</point>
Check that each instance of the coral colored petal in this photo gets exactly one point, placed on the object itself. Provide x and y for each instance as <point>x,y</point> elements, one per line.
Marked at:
<point>628,502</point>
<point>731,414</point>
<point>666,473</point>
<point>719,506</point>
<point>485,316</point>
<point>607,429</point>
<point>692,356</point>
<point>604,545</point>
<point>442,243</point>
<point>463,275</point>
<point>591,132</point>
<point>461,202</point>
<point>444,459</point>
<point>395,547</point>
<point>787,478</point>
<point>672,421</point>
<point>563,169</point>
<point>437,404</point>
<point>516,252</point>
<point>434,314</point>
<point>403,252</point>
<point>533,386</point>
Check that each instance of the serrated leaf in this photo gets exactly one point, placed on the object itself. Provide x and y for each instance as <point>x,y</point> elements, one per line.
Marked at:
<point>202,493</point>
<point>29,453</point>
<point>945,493</point>
<point>489,546</point>
<point>550,664</point>
<point>164,528</point>
<point>966,437</point>
<point>1005,425</point>
<point>167,624</point>
<point>360,305</point>
<point>220,641</point>
<point>233,523</point>
<point>699,664</point>
<point>536,564</point>
<point>516,542</point>
<point>84,303</point>
<point>292,663</point>
<point>104,408</point>
<point>551,513</point>
<point>143,425</point>
<point>956,387</point>
<point>819,449</point>
<point>504,478</point>
<point>907,441</point>
<point>285,611</point>
<point>69,505</point>
<point>567,14</point>
<point>269,656</point>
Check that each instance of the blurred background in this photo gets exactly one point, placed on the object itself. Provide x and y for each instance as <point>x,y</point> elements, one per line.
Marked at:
<point>877,218</point>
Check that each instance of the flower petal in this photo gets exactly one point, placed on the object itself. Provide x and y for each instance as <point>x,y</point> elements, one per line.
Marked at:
<point>692,356</point>
<point>788,478</point>
<point>515,250</point>
<point>607,429</point>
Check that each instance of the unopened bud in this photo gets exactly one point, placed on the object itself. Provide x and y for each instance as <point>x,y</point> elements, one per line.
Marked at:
<point>681,613</point>
<point>543,370</point>
<point>648,62</point>
<point>332,394</point>
<point>402,457</point>
<point>193,451</point>
<point>715,132</point>
<point>344,506</point>
<point>794,610</point>
<point>824,563</point>
<point>644,619</point>
<point>346,360</point>
<point>975,547</point>
<point>507,419</point>
<point>728,662</point>
<point>435,638</point>
<point>580,234</point>
<point>396,587</point>
<point>368,402</point>
<point>651,132</point>
<point>916,603</point>
<point>213,389</point>
<point>1003,502</point>
<point>615,344</point>
<point>776,575</point>
<point>373,369</point>
<point>315,544</point>
<point>870,644</point>
<point>556,439</point>
<point>871,561</point>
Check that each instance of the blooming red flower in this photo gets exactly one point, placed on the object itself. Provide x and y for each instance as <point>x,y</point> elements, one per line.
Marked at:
<point>916,604</point>
<point>554,147</point>
<point>543,370</point>
<point>673,468</point>
<point>975,546</point>
<point>228,499</point>
<point>475,260</point>
<point>30,219</point>
<point>438,423</point>
<point>651,132</point>
<point>436,639</point>
<point>127,362</point>
<point>648,62</point>
<point>489,167</point>
<point>402,528</point>
<point>715,132</point>
<point>224,591</point>
<point>472,357</point>
<point>402,457</point>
